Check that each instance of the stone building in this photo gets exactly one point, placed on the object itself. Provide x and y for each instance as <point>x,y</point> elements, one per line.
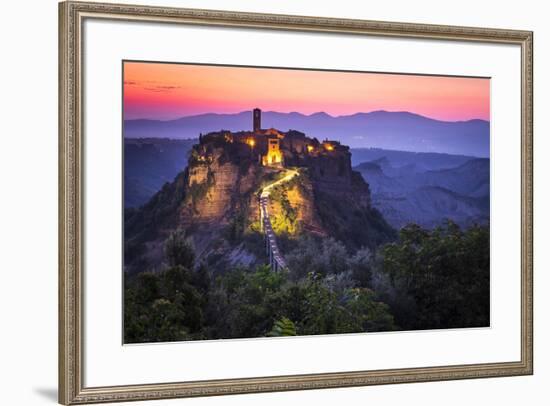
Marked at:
<point>274,156</point>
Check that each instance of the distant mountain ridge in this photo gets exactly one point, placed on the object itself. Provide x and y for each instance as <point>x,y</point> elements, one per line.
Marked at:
<point>380,129</point>
<point>405,192</point>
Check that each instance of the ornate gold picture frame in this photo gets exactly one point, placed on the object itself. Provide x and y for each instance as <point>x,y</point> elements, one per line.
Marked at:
<point>71,288</point>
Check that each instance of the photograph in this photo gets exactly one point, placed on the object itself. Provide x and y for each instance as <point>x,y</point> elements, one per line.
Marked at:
<point>276,202</point>
<point>257,200</point>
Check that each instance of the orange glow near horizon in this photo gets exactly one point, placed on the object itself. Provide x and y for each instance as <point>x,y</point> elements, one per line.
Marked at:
<point>168,91</point>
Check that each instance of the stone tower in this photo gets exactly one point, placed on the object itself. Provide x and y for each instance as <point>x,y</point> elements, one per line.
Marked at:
<point>257,119</point>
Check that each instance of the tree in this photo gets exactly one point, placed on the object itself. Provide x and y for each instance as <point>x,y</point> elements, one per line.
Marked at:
<point>282,328</point>
<point>167,305</point>
<point>202,279</point>
<point>179,250</point>
<point>327,257</point>
<point>369,314</point>
<point>361,265</point>
<point>440,277</point>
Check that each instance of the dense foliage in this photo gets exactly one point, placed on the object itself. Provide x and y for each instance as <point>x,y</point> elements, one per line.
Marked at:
<point>439,278</point>
<point>426,279</point>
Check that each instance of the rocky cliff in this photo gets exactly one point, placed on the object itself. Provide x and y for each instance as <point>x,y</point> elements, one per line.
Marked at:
<point>217,186</point>
<point>216,201</point>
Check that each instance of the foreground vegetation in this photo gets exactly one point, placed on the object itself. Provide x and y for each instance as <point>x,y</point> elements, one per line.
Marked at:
<point>424,280</point>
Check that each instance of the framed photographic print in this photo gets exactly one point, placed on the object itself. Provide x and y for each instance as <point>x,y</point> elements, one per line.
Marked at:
<point>253,202</point>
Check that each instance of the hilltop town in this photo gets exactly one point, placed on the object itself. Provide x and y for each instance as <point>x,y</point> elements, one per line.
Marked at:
<point>328,161</point>
<point>217,198</point>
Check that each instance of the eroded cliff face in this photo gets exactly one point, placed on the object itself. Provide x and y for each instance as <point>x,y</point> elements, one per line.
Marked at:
<point>216,188</point>
<point>332,174</point>
<point>293,209</point>
<point>302,198</point>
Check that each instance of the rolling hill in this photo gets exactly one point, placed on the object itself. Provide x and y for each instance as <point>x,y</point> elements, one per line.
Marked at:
<point>407,194</point>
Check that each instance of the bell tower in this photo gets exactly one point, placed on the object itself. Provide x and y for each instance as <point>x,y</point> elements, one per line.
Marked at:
<point>257,120</point>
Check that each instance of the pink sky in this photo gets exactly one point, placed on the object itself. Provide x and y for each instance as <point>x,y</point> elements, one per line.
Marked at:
<point>168,91</point>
